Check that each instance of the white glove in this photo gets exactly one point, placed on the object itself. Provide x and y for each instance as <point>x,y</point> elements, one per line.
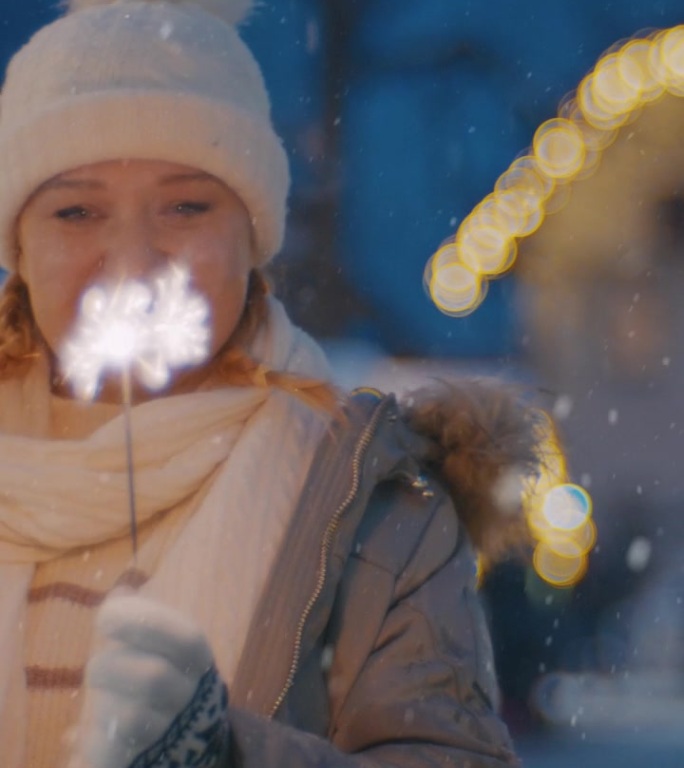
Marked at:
<point>153,696</point>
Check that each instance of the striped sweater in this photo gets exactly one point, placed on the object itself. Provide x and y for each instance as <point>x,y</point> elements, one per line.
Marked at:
<point>62,605</point>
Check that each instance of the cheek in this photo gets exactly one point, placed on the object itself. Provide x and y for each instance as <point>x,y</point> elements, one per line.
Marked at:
<point>225,290</point>
<point>54,310</point>
<point>45,263</point>
<point>221,274</point>
<point>55,287</point>
<point>227,300</point>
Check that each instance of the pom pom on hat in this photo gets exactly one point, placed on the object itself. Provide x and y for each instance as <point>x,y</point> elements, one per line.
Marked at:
<point>230,11</point>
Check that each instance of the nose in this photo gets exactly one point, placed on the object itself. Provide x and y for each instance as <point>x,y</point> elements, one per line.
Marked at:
<point>132,250</point>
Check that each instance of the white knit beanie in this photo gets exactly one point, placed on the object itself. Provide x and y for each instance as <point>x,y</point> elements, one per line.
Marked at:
<point>142,79</point>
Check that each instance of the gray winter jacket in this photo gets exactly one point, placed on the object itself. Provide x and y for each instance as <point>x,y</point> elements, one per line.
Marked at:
<point>369,647</point>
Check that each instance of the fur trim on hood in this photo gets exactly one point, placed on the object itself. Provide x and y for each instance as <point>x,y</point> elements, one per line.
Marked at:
<point>487,447</point>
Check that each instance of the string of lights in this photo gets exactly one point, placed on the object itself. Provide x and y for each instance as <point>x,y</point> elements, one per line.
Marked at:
<point>565,149</point>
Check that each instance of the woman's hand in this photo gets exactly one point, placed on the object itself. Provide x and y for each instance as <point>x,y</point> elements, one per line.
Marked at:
<point>153,695</point>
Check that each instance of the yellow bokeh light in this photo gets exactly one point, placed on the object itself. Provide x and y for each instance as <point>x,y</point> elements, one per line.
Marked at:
<point>617,84</point>
<point>490,214</point>
<point>485,241</point>
<point>558,515</point>
<point>456,290</point>
<point>523,207</point>
<point>539,183</point>
<point>579,541</point>
<point>672,58</point>
<point>562,545</point>
<point>556,569</point>
<point>559,148</point>
<point>594,109</point>
<point>525,176</point>
<point>447,254</point>
<point>597,139</point>
<point>666,60</point>
<point>565,149</point>
<point>639,52</point>
<point>567,506</point>
<point>656,63</point>
<point>487,250</point>
<point>536,521</point>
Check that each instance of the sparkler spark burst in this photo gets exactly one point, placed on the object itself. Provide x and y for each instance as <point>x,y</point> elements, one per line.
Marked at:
<point>147,329</point>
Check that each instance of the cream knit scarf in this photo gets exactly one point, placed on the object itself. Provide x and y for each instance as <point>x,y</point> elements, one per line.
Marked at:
<point>242,453</point>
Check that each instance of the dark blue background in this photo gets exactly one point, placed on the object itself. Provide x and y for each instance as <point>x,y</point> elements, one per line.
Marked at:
<point>399,115</point>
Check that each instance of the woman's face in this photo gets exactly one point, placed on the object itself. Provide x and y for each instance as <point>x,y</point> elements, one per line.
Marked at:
<point>118,220</point>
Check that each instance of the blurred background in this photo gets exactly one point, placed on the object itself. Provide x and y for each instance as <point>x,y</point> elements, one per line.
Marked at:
<point>399,116</point>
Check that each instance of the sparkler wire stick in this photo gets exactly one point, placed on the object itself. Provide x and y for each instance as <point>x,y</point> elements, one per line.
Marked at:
<point>141,329</point>
<point>128,427</point>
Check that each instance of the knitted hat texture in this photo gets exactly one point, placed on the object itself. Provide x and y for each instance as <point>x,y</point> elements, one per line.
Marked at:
<point>142,79</point>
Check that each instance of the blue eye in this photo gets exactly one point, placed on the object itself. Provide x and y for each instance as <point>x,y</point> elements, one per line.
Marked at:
<point>191,208</point>
<point>72,213</point>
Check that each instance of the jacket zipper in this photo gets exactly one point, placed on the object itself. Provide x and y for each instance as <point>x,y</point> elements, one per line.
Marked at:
<point>358,455</point>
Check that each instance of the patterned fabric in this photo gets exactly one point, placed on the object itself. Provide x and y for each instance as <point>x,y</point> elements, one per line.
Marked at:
<point>199,734</point>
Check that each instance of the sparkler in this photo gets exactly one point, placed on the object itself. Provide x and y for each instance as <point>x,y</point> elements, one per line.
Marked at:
<point>139,330</point>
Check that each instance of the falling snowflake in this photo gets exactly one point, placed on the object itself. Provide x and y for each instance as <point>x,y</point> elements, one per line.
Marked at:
<point>639,554</point>
<point>147,329</point>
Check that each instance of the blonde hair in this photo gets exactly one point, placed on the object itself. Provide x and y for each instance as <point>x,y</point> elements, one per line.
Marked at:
<point>20,340</point>
<point>237,368</point>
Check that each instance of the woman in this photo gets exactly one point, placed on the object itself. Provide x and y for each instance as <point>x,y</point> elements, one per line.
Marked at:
<point>303,592</point>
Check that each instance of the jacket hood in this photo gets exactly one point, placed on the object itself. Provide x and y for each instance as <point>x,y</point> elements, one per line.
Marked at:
<point>487,445</point>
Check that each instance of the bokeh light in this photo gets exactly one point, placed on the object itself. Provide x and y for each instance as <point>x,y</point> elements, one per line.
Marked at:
<point>456,289</point>
<point>559,516</point>
<point>556,569</point>
<point>618,84</point>
<point>559,148</point>
<point>537,184</point>
<point>523,209</point>
<point>671,50</point>
<point>567,507</point>
<point>577,543</point>
<point>638,52</point>
<point>596,110</point>
<point>565,149</point>
<point>565,532</point>
<point>486,249</point>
